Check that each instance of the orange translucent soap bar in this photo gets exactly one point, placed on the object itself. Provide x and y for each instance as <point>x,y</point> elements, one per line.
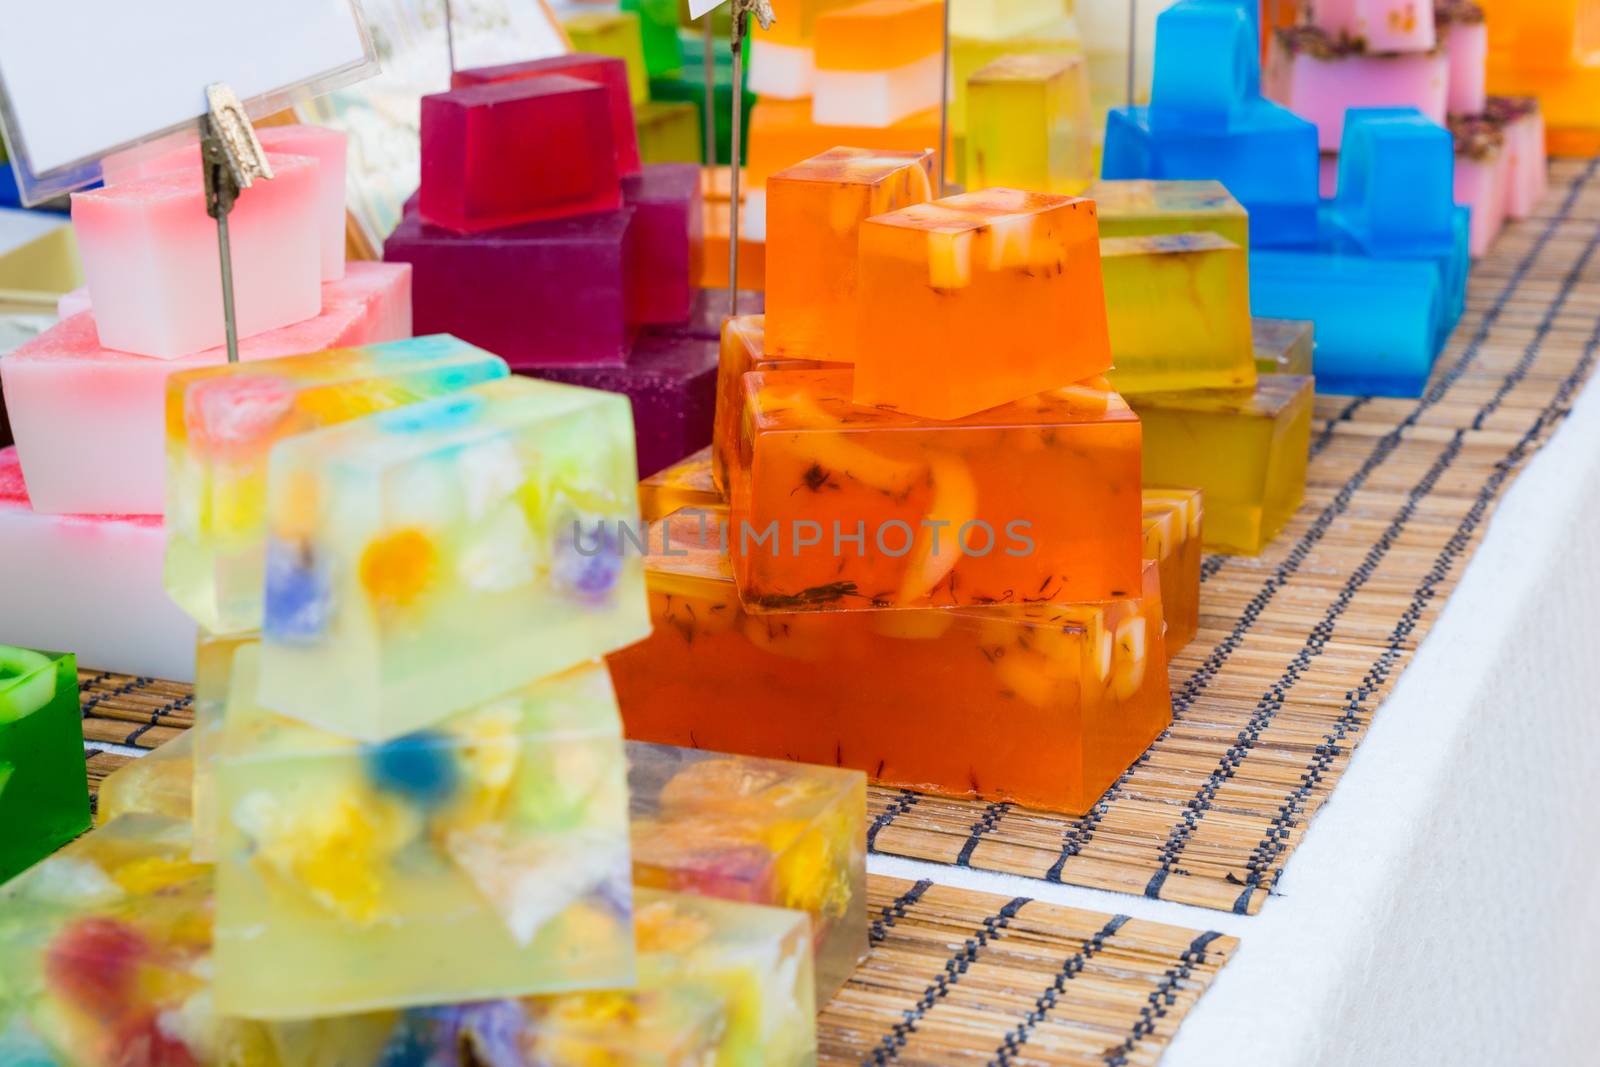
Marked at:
<point>842,507</point>
<point>1038,704</point>
<point>814,214</point>
<point>743,350</point>
<point>977,300</point>
<point>1172,520</point>
<point>685,484</point>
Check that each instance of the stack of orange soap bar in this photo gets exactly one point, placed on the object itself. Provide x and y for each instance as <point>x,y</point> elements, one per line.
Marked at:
<point>1550,49</point>
<point>1038,704</point>
<point>928,482</point>
<point>1172,540</point>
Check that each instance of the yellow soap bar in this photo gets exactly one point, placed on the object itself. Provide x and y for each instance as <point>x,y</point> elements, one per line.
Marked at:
<point>1283,346</point>
<point>998,19</point>
<point>1029,124</point>
<point>613,33</point>
<point>814,214</point>
<point>1178,307</point>
<point>1246,451</point>
<point>968,54</point>
<point>1134,207</point>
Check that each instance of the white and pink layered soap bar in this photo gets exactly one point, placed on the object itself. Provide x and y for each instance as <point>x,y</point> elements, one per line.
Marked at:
<point>150,258</point>
<point>330,148</point>
<point>89,584</point>
<point>1320,78</point>
<point>89,422</point>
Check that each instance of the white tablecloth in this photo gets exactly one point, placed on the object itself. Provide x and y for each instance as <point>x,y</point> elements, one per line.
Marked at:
<point>1442,907</point>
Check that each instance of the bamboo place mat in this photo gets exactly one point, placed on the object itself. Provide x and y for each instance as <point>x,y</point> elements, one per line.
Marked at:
<point>952,976</point>
<point>1298,648</point>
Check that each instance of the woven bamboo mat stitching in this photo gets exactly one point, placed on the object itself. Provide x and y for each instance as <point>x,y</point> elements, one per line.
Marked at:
<point>1298,647</point>
<point>956,976</point>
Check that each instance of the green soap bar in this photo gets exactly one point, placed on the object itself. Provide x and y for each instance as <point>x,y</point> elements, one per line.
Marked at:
<point>689,86</point>
<point>44,788</point>
<point>658,27</point>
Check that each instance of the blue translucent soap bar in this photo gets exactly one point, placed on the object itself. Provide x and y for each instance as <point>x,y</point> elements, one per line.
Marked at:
<point>1207,119</point>
<point>1396,183</point>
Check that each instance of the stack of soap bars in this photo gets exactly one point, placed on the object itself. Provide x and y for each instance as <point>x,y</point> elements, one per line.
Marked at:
<point>1404,54</point>
<point>80,542</point>
<point>1381,268</point>
<point>408,767</point>
<point>1218,415</point>
<point>870,509</point>
<point>582,273</point>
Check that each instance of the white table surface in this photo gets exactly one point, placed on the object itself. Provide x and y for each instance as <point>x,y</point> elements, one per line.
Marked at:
<point>1442,908</point>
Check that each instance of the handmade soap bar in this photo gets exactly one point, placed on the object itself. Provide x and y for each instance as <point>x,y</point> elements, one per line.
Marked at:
<point>878,62</point>
<point>1058,37</point>
<point>1137,207</point>
<point>783,62</point>
<point>486,154</point>
<point>221,425</point>
<point>70,397</point>
<point>1396,182</point>
<point>1012,275</point>
<point>617,34</point>
<point>425,559</point>
<point>743,350</point>
<point>1036,704</point>
<point>1282,346</point>
<point>1482,174</point>
<point>105,951</point>
<point>941,514</point>
<point>1527,173</point>
<point>685,484</point>
<point>1172,531</point>
<point>75,581</point>
<point>44,794</point>
<point>658,28</point>
<point>760,831</point>
<point>1466,43</point>
<point>720,983</point>
<point>150,256</point>
<point>752,252</point>
<point>782,134</point>
<point>1029,124</point>
<point>671,381</point>
<point>1548,50</point>
<point>668,132</point>
<point>668,236</point>
<point>607,71</point>
<point>548,292</point>
<point>1320,77</point>
<point>214,656</point>
<point>1383,25</point>
<point>1178,309</point>
<point>814,214</point>
<point>996,19</point>
<point>330,149</point>
<point>158,783</point>
<point>483,855</point>
<point>689,86</point>
<point>1223,130</point>
<point>1245,451</point>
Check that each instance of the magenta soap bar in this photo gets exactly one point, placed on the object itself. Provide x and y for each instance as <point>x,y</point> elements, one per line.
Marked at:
<point>536,295</point>
<point>150,258</point>
<point>509,153</point>
<point>90,423</point>
<point>608,71</point>
<point>668,240</point>
<point>329,148</point>
<point>672,381</point>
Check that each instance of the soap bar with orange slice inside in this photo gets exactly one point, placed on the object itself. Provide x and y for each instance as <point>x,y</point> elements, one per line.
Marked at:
<point>977,300</point>
<point>842,507</point>
<point>1172,521</point>
<point>1038,704</point>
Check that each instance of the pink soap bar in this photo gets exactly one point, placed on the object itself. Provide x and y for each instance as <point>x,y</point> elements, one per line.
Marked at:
<point>179,151</point>
<point>1384,25</point>
<point>668,240</point>
<point>89,584</point>
<point>329,148</point>
<point>1320,80</point>
<point>150,258</point>
<point>510,153</point>
<point>608,71</point>
<point>90,424</point>
<point>1527,173</point>
<point>1466,43</point>
<point>1482,174</point>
